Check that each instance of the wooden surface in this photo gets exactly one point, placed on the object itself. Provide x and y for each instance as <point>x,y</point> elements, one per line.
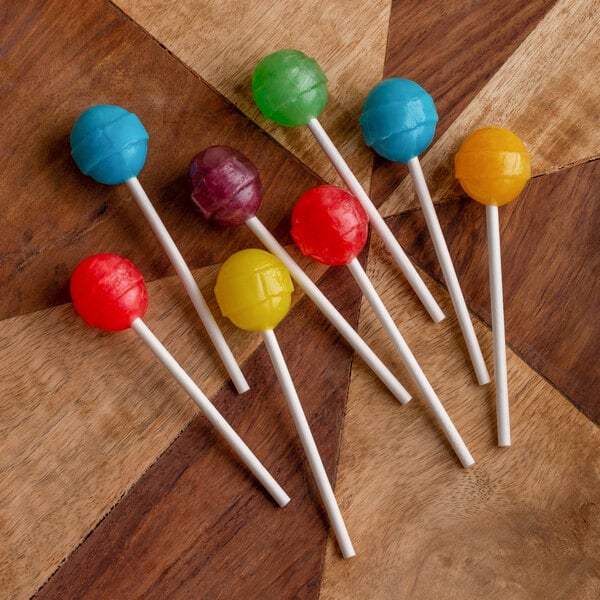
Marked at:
<point>424,527</point>
<point>544,90</point>
<point>113,486</point>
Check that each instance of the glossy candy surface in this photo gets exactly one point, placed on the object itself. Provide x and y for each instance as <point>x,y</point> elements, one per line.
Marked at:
<point>493,165</point>
<point>108,292</point>
<point>329,225</point>
<point>109,144</point>
<point>398,119</point>
<point>225,184</point>
<point>289,88</point>
<point>254,290</point>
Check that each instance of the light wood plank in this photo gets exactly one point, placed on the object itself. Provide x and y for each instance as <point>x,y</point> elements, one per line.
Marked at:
<point>222,42</point>
<point>523,523</point>
<point>546,92</point>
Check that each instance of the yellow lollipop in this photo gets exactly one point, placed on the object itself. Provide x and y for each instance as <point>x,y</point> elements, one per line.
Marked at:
<point>254,290</point>
<point>493,167</point>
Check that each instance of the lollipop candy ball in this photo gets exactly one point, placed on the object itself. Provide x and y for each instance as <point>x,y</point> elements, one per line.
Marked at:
<point>289,88</point>
<point>254,290</point>
<point>226,186</point>
<point>108,292</point>
<point>329,225</point>
<point>109,144</point>
<point>493,165</point>
<point>398,119</point>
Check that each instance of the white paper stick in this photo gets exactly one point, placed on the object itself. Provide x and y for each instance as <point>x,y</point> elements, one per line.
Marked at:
<point>190,285</point>
<point>377,221</point>
<point>211,413</point>
<point>441,250</point>
<point>308,442</point>
<point>336,319</point>
<point>411,363</point>
<point>497,302</point>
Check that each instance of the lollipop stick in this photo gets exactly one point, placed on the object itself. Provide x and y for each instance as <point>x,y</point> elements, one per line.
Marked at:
<point>411,363</point>
<point>308,442</point>
<point>500,370</point>
<point>441,250</point>
<point>211,413</point>
<point>315,294</point>
<point>190,285</point>
<point>391,243</point>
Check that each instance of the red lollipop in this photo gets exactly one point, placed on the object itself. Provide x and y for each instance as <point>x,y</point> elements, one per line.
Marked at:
<point>329,225</point>
<point>109,293</point>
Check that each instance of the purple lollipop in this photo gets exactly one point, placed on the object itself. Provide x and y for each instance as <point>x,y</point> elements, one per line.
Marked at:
<point>226,186</point>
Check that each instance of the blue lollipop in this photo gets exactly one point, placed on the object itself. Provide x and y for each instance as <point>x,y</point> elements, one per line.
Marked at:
<point>110,144</point>
<point>398,121</point>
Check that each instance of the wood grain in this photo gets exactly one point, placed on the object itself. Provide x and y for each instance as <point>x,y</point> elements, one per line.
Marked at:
<point>545,92</point>
<point>452,49</point>
<point>522,523</point>
<point>196,526</point>
<point>551,274</point>
<point>347,38</point>
<point>60,58</point>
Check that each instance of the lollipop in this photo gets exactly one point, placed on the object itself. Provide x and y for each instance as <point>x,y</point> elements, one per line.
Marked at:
<point>226,188</point>
<point>109,292</point>
<point>291,89</point>
<point>254,290</point>
<point>110,144</point>
<point>329,225</point>
<point>227,191</point>
<point>398,121</point>
<point>493,166</point>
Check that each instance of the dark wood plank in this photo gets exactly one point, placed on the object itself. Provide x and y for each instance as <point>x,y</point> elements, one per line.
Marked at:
<point>59,58</point>
<point>196,525</point>
<point>551,273</point>
<point>440,45</point>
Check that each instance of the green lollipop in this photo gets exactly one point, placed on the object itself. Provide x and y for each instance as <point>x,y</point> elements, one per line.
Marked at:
<point>289,88</point>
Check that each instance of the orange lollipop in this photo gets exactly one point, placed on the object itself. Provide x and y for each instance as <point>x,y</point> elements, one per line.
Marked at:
<point>493,166</point>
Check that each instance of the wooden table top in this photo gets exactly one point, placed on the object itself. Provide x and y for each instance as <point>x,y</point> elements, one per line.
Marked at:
<point>113,485</point>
